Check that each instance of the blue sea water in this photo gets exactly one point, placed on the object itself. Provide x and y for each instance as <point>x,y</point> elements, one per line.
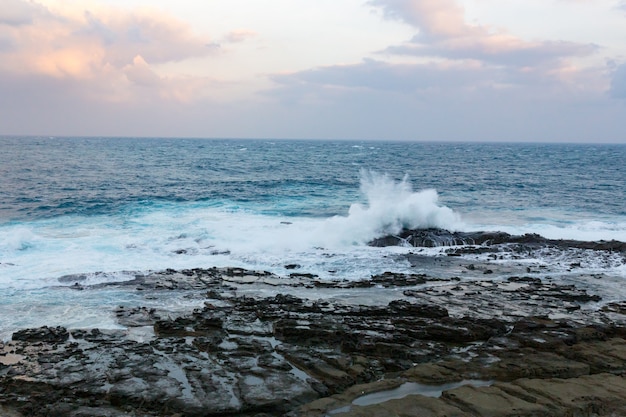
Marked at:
<point>105,208</point>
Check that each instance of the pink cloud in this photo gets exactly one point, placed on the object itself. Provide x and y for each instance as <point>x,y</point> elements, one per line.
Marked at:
<point>445,33</point>
<point>140,73</point>
<point>459,60</point>
<point>109,52</point>
<point>442,18</point>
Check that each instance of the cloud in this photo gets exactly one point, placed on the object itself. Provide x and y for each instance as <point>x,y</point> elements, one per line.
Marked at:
<point>239,35</point>
<point>112,54</point>
<point>470,82</point>
<point>140,73</point>
<point>501,51</point>
<point>438,18</point>
<point>457,59</point>
<point>618,83</point>
<point>465,80</point>
<point>368,101</point>
<point>458,62</point>
<point>443,32</point>
<point>19,12</point>
<point>400,78</point>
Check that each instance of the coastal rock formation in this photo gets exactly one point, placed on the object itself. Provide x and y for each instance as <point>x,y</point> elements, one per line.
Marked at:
<point>393,345</point>
<point>441,237</point>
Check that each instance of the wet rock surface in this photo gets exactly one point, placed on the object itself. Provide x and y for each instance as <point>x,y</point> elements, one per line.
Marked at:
<point>264,345</point>
<point>488,240</point>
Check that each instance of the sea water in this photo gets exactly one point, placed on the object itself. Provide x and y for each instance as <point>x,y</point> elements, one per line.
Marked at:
<point>100,210</point>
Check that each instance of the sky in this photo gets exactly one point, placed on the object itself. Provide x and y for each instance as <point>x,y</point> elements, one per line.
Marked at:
<point>435,70</point>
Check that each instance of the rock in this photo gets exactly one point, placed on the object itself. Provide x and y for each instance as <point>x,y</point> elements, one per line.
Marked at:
<point>600,394</point>
<point>441,237</point>
<point>270,346</point>
<point>42,334</point>
<point>406,308</point>
<point>526,280</point>
<point>393,280</point>
<point>277,391</point>
<point>537,365</point>
<point>619,308</point>
<point>497,402</point>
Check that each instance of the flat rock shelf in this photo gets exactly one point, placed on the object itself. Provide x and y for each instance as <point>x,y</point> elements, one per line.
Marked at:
<point>268,345</point>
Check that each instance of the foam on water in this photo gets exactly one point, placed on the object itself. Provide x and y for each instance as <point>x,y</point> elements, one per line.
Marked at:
<point>185,235</point>
<point>38,254</point>
<point>106,248</point>
<point>155,204</point>
<point>392,206</point>
<point>98,249</point>
<point>551,227</point>
<point>84,308</point>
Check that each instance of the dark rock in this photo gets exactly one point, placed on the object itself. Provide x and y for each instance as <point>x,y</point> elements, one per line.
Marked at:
<point>616,307</point>
<point>441,237</point>
<point>406,308</point>
<point>302,275</point>
<point>391,279</point>
<point>527,280</point>
<point>42,334</point>
<point>255,354</point>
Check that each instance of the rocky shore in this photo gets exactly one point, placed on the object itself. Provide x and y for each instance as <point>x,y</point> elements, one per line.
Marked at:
<point>293,345</point>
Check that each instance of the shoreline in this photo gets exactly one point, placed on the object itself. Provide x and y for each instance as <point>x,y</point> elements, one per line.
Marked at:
<point>268,345</point>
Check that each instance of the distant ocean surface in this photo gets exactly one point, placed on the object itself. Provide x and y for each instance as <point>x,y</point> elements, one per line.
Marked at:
<point>106,208</point>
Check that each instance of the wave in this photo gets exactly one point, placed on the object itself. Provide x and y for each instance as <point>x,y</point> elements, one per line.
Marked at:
<point>184,235</point>
<point>220,233</point>
<point>391,207</point>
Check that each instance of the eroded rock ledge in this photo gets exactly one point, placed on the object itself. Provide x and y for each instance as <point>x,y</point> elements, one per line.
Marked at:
<point>263,345</point>
<point>440,237</point>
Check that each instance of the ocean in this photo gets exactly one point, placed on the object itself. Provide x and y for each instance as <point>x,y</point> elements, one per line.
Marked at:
<point>101,210</point>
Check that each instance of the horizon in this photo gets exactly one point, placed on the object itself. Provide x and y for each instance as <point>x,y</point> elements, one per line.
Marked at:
<point>398,70</point>
<point>354,140</point>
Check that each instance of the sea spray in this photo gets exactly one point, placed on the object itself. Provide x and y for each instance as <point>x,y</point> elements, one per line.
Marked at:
<point>390,207</point>
<point>188,235</point>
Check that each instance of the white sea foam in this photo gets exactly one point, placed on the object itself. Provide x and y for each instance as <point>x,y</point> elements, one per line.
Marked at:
<point>96,248</point>
<point>19,238</point>
<point>583,229</point>
<point>392,206</point>
<point>89,308</point>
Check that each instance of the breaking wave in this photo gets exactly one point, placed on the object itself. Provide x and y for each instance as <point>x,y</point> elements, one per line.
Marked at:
<point>390,207</point>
